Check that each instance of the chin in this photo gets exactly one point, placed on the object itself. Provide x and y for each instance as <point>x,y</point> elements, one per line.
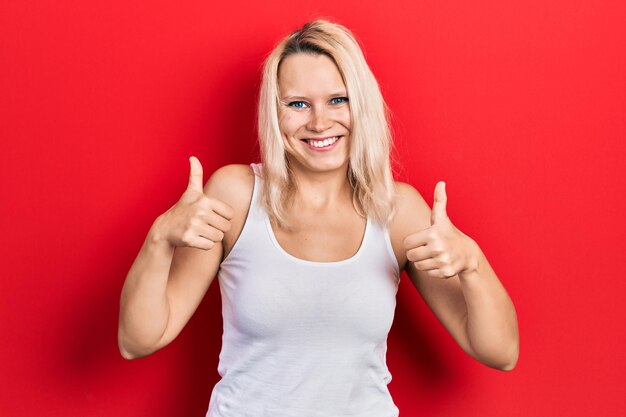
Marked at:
<point>329,166</point>
<point>306,164</point>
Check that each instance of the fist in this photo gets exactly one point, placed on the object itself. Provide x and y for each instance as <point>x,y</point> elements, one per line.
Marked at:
<point>441,250</point>
<point>195,220</point>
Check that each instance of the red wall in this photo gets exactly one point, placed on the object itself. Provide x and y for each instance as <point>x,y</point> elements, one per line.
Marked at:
<point>519,106</point>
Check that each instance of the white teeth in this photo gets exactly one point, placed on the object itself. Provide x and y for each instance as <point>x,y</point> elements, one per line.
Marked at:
<point>323,143</point>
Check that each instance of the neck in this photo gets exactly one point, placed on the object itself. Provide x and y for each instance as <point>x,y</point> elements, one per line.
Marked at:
<point>321,190</point>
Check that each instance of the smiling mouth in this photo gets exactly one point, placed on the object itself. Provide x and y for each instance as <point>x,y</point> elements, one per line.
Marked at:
<point>322,143</point>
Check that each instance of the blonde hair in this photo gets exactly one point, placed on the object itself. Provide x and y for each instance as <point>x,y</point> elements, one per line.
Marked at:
<point>369,170</point>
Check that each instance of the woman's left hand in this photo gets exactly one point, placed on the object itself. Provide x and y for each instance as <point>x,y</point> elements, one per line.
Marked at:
<point>442,250</point>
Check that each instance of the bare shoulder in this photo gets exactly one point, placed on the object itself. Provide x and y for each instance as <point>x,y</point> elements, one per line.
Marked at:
<point>412,214</point>
<point>231,184</point>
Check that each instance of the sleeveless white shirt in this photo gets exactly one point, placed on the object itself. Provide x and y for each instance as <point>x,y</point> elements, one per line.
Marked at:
<point>304,338</point>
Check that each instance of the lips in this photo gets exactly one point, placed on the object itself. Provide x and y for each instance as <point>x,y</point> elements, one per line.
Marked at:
<point>322,143</point>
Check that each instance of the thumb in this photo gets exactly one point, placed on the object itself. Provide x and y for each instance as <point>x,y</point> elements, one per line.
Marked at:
<point>438,213</point>
<point>195,175</point>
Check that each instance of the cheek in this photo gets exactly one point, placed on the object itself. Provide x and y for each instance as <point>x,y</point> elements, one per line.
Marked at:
<point>287,124</point>
<point>345,118</point>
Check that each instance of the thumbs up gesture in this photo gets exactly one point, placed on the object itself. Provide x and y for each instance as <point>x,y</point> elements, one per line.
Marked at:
<point>441,250</point>
<point>195,220</point>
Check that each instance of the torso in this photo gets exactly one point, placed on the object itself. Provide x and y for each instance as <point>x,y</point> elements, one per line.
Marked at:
<point>322,236</point>
<point>329,236</point>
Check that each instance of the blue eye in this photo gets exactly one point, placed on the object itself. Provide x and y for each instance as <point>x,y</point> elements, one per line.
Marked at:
<point>297,104</point>
<point>339,100</point>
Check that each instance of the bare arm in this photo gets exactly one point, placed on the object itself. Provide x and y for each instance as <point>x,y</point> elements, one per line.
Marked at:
<point>174,268</point>
<point>453,276</point>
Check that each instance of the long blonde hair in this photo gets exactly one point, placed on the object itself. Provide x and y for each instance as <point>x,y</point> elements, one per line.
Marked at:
<point>369,171</point>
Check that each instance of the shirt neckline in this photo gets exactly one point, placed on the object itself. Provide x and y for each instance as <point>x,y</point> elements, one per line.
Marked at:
<point>317,263</point>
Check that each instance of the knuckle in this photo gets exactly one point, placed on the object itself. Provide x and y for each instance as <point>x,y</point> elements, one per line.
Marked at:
<point>196,220</point>
<point>205,203</point>
<point>186,237</point>
<point>447,272</point>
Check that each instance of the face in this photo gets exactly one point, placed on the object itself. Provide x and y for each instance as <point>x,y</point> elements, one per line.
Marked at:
<point>314,113</point>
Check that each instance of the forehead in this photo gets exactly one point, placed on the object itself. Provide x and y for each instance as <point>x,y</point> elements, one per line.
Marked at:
<point>306,74</point>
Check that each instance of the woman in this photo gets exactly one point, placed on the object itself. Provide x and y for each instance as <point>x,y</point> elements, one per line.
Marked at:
<point>308,247</point>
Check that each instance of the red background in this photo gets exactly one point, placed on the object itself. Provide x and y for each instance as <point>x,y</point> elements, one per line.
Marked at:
<point>518,106</point>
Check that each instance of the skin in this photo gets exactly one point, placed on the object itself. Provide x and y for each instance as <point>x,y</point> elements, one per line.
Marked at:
<point>314,105</point>
<point>447,267</point>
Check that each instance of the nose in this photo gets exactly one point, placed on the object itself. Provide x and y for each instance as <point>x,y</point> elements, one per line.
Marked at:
<point>319,120</point>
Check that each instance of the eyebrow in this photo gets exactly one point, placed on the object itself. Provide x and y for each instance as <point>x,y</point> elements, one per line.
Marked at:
<point>340,93</point>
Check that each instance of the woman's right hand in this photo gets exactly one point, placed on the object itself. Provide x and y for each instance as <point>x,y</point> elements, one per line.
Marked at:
<point>195,220</point>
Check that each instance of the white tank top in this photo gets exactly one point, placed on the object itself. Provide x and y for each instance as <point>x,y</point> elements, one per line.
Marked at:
<point>304,338</point>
